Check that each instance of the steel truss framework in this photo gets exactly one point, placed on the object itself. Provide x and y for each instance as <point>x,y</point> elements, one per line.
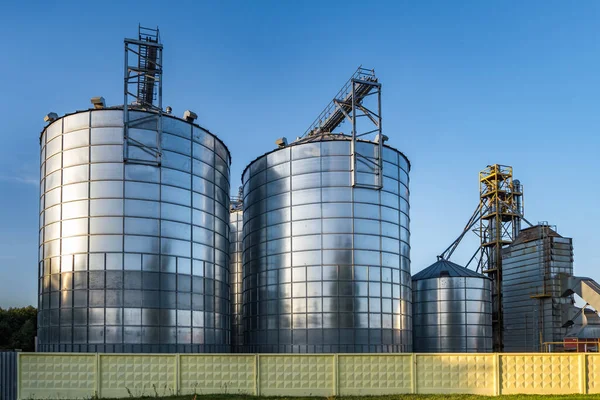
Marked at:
<point>348,105</point>
<point>500,202</point>
<point>143,91</point>
<point>497,222</point>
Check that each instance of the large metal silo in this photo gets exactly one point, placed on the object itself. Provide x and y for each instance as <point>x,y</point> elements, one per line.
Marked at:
<point>452,310</point>
<point>133,255</point>
<point>326,265</point>
<point>236,222</point>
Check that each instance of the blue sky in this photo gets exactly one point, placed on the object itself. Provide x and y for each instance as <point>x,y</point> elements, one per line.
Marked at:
<point>465,84</point>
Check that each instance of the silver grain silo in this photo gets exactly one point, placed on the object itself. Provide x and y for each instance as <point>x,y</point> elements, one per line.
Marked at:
<point>326,265</point>
<point>133,251</point>
<point>452,310</point>
<point>236,223</point>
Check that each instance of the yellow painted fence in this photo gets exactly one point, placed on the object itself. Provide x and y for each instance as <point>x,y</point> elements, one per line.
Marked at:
<point>78,375</point>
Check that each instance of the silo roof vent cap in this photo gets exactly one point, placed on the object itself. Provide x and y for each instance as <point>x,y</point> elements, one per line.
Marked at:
<point>190,116</point>
<point>98,102</point>
<point>50,117</point>
<point>281,142</point>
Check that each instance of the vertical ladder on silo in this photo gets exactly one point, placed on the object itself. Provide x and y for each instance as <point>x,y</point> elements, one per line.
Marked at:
<point>143,69</point>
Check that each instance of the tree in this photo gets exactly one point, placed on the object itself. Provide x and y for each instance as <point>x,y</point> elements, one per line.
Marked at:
<point>18,328</point>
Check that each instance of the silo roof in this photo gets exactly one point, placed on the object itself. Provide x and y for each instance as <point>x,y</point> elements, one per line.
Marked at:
<point>325,137</point>
<point>446,268</point>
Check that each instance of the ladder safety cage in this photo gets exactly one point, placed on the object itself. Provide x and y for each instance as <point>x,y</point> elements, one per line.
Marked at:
<point>348,105</point>
<point>143,92</point>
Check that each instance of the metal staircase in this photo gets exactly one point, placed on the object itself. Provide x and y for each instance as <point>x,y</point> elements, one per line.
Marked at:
<point>349,104</point>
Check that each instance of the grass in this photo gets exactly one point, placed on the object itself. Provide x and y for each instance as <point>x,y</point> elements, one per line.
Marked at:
<point>389,397</point>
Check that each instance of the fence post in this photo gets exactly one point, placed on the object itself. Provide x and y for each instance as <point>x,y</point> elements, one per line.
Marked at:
<point>583,372</point>
<point>413,373</point>
<point>257,375</point>
<point>177,373</point>
<point>335,375</point>
<point>97,376</point>
<point>497,374</point>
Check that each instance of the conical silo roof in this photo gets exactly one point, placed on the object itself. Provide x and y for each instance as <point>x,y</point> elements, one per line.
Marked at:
<point>445,268</point>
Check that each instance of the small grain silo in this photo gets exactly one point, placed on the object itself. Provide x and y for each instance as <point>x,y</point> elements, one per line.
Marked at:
<point>452,310</point>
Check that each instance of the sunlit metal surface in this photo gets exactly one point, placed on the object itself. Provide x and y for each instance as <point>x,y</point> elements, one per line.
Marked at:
<point>326,266</point>
<point>452,310</point>
<point>132,257</point>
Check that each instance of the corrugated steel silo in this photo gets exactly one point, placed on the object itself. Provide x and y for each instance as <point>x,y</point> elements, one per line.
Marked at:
<point>236,223</point>
<point>452,310</point>
<point>133,257</point>
<point>326,265</point>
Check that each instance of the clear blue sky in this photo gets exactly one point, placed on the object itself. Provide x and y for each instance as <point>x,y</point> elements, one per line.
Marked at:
<point>465,84</point>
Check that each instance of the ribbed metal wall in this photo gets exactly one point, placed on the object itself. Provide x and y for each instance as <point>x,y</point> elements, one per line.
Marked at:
<point>534,310</point>
<point>452,315</point>
<point>8,375</point>
<point>326,266</point>
<point>132,257</point>
<point>236,223</point>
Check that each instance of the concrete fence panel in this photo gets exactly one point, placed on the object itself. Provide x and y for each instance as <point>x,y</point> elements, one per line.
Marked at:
<point>218,373</point>
<point>374,374</point>
<point>58,376</point>
<point>77,375</point>
<point>137,375</point>
<point>541,373</point>
<point>456,373</point>
<point>592,373</point>
<point>296,375</point>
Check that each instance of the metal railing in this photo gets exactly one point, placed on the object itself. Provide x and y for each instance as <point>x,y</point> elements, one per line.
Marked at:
<point>362,74</point>
<point>584,346</point>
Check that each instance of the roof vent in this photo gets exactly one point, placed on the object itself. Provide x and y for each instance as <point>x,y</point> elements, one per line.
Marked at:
<point>281,142</point>
<point>98,102</point>
<point>381,137</point>
<point>444,274</point>
<point>51,117</point>
<point>189,116</point>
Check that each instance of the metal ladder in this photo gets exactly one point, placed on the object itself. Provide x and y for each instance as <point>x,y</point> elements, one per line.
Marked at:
<point>143,69</point>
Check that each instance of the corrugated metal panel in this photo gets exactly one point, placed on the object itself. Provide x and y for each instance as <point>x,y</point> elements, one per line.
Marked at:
<point>8,375</point>
<point>532,302</point>
<point>452,314</point>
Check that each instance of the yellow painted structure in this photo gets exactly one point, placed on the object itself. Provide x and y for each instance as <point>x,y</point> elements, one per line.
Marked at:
<point>77,375</point>
<point>500,211</point>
